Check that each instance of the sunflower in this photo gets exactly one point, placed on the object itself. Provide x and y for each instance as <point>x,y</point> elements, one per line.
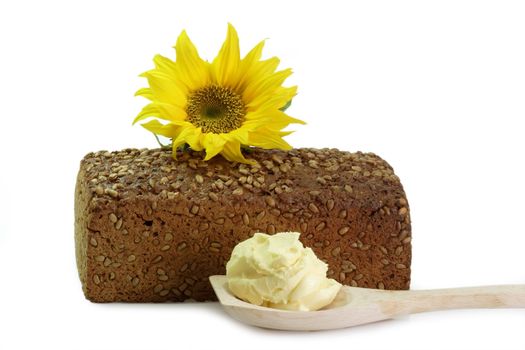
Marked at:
<point>219,107</point>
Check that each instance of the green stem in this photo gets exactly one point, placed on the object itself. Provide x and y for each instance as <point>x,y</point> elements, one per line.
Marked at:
<point>160,143</point>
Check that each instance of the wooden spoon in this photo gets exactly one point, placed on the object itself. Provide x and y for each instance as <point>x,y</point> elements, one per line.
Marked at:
<point>355,306</point>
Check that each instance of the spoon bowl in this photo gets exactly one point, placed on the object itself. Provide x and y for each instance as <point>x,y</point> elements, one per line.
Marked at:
<point>355,306</point>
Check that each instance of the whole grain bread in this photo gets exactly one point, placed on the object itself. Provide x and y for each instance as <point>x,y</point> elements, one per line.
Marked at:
<point>149,228</point>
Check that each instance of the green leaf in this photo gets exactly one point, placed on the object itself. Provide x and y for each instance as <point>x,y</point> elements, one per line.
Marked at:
<point>285,107</point>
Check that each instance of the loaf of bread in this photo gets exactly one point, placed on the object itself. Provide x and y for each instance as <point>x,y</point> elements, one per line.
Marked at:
<point>149,228</point>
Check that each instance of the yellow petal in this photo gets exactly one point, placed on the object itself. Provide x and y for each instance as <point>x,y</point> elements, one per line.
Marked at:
<point>269,139</point>
<point>232,152</point>
<point>255,93</point>
<point>274,119</point>
<point>192,70</point>
<point>258,72</point>
<point>168,130</point>
<point>145,92</point>
<point>171,112</point>
<point>213,143</point>
<point>165,89</point>
<point>190,135</point>
<point>147,112</point>
<point>226,64</point>
<point>241,135</point>
<point>175,147</point>
<point>273,100</point>
<point>168,69</point>
<point>248,63</point>
<point>162,111</point>
<point>165,65</point>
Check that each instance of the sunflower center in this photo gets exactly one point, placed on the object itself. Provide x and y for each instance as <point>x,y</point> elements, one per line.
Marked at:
<point>215,109</point>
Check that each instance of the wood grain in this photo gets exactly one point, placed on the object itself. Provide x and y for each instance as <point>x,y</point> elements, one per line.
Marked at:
<point>356,306</point>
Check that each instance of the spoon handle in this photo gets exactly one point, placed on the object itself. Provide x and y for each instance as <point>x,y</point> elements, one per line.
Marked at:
<point>409,302</point>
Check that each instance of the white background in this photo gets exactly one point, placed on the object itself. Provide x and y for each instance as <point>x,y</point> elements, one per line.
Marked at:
<point>435,87</point>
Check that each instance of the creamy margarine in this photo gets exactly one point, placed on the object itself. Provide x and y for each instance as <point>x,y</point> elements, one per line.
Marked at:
<point>278,271</point>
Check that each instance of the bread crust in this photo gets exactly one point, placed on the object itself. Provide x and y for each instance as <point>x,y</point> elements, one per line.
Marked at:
<point>149,228</point>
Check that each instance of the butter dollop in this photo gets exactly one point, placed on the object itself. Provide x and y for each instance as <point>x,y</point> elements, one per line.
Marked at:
<point>278,271</point>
